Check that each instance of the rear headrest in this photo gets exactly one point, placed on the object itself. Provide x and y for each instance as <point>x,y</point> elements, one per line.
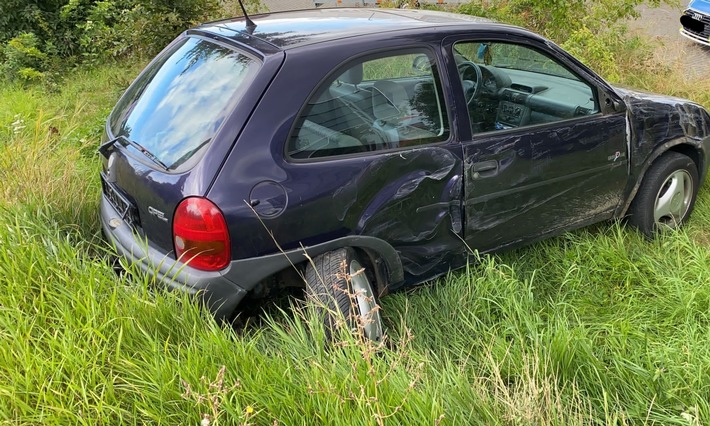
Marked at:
<point>389,100</point>
<point>352,75</point>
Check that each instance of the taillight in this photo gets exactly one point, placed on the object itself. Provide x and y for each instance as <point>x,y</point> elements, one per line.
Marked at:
<point>200,235</point>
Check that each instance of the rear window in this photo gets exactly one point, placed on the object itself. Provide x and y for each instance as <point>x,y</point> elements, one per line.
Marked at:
<point>174,109</point>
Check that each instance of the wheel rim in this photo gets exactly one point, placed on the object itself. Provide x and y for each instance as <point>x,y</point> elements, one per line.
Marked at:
<point>673,199</point>
<point>368,310</point>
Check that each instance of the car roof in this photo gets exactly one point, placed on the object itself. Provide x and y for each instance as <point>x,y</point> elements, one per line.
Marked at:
<point>286,30</point>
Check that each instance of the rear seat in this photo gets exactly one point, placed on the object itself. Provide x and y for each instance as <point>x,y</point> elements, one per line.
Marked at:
<point>347,90</point>
<point>319,137</point>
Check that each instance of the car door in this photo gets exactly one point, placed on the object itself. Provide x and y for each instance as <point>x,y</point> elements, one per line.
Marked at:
<point>545,154</point>
<point>371,153</point>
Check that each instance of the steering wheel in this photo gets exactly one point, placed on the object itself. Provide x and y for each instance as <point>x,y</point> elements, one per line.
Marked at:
<point>471,89</point>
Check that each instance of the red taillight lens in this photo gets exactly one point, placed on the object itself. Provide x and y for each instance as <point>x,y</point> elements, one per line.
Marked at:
<point>200,235</point>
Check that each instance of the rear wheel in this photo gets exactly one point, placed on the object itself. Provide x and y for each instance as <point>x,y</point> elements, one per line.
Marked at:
<point>339,285</point>
<point>667,194</point>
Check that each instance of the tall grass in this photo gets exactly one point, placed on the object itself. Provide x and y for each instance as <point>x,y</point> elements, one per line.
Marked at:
<point>598,326</point>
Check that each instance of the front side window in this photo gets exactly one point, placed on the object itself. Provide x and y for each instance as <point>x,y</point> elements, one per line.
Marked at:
<point>509,85</point>
<point>175,108</point>
<point>372,105</point>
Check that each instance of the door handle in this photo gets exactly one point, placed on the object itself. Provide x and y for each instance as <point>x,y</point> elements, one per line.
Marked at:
<point>484,168</point>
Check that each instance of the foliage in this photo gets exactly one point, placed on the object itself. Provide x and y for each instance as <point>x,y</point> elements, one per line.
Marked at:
<point>23,58</point>
<point>96,30</point>
<point>147,26</point>
<point>594,51</point>
<point>592,30</point>
<point>20,16</point>
<point>598,326</point>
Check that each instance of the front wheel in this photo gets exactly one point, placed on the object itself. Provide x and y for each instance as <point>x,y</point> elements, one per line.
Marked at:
<point>667,194</point>
<point>339,286</point>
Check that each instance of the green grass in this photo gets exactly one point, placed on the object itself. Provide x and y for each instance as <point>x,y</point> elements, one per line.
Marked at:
<point>598,326</point>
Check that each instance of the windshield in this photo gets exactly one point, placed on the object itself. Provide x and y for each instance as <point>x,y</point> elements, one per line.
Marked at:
<point>176,107</point>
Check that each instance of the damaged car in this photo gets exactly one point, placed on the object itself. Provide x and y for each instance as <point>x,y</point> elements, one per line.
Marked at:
<point>354,152</point>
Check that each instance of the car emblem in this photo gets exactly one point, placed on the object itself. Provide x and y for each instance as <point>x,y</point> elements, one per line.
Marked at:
<point>697,16</point>
<point>157,213</point>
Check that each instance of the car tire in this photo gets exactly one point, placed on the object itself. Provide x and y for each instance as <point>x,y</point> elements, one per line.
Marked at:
<point>666,196</point>
<point>340,288</point>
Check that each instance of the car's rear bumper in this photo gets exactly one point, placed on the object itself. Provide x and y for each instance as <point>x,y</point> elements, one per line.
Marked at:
<point>223,290</point>
<point>220,294</point>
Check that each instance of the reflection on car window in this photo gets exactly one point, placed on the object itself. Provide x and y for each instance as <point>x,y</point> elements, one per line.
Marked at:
<point>175,108</point>
<point>519,86</point>
<point>379,104</point>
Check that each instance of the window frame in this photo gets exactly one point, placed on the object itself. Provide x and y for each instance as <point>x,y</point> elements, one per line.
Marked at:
<point>149,73</point>
<point>549,50</point>
<point>324,84</point>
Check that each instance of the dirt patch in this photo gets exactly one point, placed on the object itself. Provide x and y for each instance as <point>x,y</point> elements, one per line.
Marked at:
<point>663,25</point>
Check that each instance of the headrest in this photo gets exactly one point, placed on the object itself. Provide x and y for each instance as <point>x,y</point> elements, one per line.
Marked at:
<point>353,75</point>
<point>389,100</point>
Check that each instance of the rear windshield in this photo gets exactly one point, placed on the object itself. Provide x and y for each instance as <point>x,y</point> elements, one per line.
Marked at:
<point>174,109</point>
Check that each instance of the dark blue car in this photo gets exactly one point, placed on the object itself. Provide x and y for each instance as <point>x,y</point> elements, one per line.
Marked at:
<point>356,151</point>
<point>695,21</point>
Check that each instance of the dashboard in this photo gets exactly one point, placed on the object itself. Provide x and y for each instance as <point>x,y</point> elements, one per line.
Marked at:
<point>511,98</point>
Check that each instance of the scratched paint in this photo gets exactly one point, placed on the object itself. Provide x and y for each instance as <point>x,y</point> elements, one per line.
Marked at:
<point>657,120</point>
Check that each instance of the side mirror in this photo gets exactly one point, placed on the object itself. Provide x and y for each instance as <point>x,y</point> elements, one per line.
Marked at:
<point>617,105</point>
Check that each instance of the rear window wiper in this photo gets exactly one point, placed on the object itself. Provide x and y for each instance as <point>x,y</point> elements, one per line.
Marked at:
<point>105,150</point>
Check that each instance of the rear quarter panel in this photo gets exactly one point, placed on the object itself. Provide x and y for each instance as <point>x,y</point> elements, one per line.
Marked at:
<point>338,197</point>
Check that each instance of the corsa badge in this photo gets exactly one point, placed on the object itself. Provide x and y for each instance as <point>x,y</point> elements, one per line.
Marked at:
<point>157,213</point>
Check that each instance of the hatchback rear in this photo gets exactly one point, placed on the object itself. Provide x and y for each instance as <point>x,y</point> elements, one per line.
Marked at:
<point>165,141</point>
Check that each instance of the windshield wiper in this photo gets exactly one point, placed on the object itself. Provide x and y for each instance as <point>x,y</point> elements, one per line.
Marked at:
<point>105,150</point>
<point>186,156</point>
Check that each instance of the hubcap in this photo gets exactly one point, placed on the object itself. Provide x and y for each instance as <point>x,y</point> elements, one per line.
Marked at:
<point>367,307</point>
<point>673,199</point>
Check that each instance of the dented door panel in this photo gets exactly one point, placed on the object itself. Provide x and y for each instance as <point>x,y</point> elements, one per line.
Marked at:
<point>409,198</point>
<point>546,179</point>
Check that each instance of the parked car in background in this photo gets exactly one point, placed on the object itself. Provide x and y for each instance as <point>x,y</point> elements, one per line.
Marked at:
<point>695,22</point>
<point>355,152</point>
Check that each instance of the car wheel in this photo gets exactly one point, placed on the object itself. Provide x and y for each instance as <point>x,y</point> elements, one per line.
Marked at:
<point>338,284</point>
<point>667,194</point>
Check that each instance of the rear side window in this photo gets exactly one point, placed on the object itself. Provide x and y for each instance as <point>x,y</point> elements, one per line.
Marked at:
<point>372,105</point>
<point>174,109</point>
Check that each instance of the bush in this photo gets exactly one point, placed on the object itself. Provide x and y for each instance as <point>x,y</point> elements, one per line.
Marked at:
<point>154,23</point>
<point>24,60</point>
<point>591,31</point>
<point>92,30</point>
<point>595,51</point>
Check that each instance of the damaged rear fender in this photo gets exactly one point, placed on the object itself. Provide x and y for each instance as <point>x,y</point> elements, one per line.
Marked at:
<point>386,263</point>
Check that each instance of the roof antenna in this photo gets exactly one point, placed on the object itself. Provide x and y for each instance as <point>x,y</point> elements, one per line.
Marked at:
<point>250,24</point>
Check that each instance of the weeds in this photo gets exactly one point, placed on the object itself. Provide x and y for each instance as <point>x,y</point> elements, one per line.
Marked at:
<point>598,326</point>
